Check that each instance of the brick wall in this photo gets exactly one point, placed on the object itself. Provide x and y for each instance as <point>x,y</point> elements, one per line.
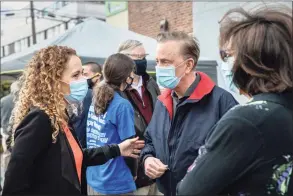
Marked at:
<point>144,17</point>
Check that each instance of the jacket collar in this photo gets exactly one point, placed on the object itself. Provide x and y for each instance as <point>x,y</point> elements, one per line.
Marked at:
<point>284,98</point>
<point>204,87</point>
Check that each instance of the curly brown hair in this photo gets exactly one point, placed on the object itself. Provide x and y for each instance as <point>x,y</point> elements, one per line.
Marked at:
<point>41,86</point>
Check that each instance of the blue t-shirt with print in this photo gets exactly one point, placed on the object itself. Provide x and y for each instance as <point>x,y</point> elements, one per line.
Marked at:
<point>116,125</point>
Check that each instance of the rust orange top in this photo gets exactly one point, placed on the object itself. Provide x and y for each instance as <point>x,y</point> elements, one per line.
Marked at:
<point>77,152</point>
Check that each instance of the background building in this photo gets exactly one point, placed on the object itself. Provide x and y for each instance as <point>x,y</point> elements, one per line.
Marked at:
<point>147,17</point>
<point>117,13</point>
<point>51,19</point>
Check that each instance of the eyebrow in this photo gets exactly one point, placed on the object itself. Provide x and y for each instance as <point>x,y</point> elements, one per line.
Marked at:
<point>76,72</point>
<point>164,60</point>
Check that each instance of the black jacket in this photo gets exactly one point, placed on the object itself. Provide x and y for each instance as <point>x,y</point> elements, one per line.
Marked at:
<point>249,151</point>
<point>141,125</point>
<point>40,167</point>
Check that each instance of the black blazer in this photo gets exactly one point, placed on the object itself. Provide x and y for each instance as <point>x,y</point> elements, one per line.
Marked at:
<point>38,166</point>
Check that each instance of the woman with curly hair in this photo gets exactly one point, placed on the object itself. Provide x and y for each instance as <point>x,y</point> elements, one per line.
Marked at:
<point>46,157</point>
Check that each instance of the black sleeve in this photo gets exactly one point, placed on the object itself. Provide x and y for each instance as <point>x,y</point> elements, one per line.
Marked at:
<point>100,155</point>
<point>32,137</point>
<point>131,163</point>
<point>228,153</point>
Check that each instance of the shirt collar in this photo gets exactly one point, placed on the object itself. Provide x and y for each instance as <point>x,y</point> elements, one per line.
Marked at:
<point>190,89</point>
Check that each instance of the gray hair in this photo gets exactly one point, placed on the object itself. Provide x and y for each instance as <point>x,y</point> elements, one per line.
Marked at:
<point>129,45</point>
<point>15,88</point>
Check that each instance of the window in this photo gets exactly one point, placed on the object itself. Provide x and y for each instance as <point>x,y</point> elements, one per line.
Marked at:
<point>17,46</point>
<point>40,37</point>
<point>71,24</point>
<point>64,3</point>
<point>23,43</point>
<point>2,51</point>
<point>11,48</point>
<point>95,2</point>
<point>29,41</point>
<point>44,12</point>
<point>62,28</point>
<point>57,30</point>
<point>57,5</point>
<point>50,33</point>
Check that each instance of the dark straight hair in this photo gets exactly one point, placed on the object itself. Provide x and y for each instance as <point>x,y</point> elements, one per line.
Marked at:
<point>261,42</point>
<point>95,67</point>
<point>116,70</point>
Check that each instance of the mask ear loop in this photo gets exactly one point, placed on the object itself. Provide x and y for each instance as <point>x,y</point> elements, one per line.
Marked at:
<point>96,75</point>
<point>181,64</point>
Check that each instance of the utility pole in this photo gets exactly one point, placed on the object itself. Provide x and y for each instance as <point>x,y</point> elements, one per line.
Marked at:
<point>33,22</point>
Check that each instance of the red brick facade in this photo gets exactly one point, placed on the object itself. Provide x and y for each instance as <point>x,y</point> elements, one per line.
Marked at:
<point>145,17</point>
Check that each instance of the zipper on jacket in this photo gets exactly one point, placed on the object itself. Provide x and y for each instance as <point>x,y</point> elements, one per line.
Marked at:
<point>170,161</point>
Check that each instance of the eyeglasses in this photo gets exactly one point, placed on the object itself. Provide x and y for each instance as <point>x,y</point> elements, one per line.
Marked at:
<point>137,56</point>
<point>131,80</point>
<point>224,55</point>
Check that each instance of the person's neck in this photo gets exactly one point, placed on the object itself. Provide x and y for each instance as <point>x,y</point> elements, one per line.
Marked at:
<point>245,94</point>
<point>185,83</point>
<point>136,79</point>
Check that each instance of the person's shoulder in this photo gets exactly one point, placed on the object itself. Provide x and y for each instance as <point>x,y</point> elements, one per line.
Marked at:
<point>7,98</point>
<point>120,102</point>
<point>151,82</point>
<point>40,116</point>
<point>35,120</point>
<point>221,92</point>
<point>255,112</point>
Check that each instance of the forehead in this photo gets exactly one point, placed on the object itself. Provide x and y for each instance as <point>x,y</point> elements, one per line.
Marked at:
<point>86,68</point>
<point>168,50</point>
<point>138,50</point>
<point>74,64</point>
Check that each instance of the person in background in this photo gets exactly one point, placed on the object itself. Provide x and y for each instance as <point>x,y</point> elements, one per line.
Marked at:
<point>46,157</point>
<point>78,110</point>
<point>7,105</point>
<point>111,121</point>
<point>184,113</point>
<point>142,95</point>
<point>93,72</point>
<point>250,150</point>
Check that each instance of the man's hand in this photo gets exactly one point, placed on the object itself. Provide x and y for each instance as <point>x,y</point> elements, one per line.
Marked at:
<point>154,168</point>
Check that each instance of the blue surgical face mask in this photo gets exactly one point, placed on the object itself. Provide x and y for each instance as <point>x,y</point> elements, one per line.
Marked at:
<point>78,90</point>
<point>166,76</point>
<point>226,68</point>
